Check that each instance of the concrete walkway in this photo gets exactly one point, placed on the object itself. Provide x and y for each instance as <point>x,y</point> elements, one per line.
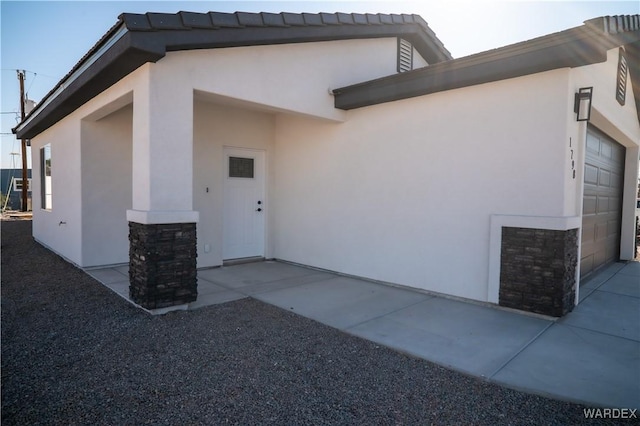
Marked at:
<point>590,356</point>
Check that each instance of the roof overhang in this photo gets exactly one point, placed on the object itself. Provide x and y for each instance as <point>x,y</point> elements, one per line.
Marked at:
<point>97,73</point>
<point>140,38</point>
<point>584,45</point>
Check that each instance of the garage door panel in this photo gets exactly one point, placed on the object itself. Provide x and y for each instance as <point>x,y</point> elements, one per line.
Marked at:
<point>599,257</point>
<point>614,205</point>
<point>588,233</point>
<point>588,249</point>
<point>602,205</point>
<point>590,174</point>
<point>593,143</point>
<point>612,251</point>
<point>589,205</point>
<point>616,180</point>
<point>613,227</point>
<point>586,264</point>
<point>603,171</point>
<point>618,155</point>
<point>601,231</point>
<point>604,178</point>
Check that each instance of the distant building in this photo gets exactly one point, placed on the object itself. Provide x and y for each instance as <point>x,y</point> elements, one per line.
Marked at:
<point>11,186</point>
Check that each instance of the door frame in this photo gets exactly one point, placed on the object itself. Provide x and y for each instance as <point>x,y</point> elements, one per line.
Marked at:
<point>230,151</point>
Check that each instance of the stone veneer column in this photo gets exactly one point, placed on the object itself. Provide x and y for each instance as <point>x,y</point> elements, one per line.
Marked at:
<point>162,264</point>
<point>538,270</point>
<point>162,224</point>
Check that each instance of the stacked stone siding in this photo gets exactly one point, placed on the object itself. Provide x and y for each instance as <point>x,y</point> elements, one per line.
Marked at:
<point>538,270</point>
<point>162,264</point>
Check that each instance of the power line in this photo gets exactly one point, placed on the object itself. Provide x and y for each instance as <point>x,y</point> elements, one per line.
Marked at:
<point>32,72</point>
<point>35,76</point>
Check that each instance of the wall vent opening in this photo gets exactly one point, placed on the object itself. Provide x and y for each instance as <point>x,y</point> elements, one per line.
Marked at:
<point>405,55</point>
<point>621,81</point>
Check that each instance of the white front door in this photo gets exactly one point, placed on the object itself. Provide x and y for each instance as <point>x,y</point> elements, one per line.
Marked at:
<point>244,203</point>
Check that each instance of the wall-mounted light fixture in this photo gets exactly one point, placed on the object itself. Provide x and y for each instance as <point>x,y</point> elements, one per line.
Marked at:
<point>582,104</point>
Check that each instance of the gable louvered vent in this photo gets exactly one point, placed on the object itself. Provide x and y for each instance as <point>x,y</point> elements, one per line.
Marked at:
<point>405,55</point>
<point>621,83</point>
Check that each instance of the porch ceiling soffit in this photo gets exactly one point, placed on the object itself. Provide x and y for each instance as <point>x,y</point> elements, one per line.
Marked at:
<point>140,38</point>
<point>574,47</point>
<point>110,107</point>
<point>335,116</point>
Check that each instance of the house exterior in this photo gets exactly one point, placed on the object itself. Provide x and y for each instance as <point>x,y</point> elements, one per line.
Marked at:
<point>347,142</point>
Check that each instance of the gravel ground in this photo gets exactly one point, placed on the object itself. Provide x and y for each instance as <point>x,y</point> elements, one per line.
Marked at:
<point>75,353</point>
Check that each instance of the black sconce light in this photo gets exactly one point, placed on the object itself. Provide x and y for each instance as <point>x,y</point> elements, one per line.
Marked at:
<point>582,104</point>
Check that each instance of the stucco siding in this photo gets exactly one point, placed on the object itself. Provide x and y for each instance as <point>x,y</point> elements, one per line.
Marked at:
<point>106,189</point>
<point>290,78</point>
<point>217,126</point>
<point>622,120</point>
<point>59,228</point>
<point>418,61</point>
<point>404,191</point>
<point>68,238</point>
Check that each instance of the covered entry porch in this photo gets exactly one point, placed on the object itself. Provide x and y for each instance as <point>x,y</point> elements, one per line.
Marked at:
<point>169,187</point>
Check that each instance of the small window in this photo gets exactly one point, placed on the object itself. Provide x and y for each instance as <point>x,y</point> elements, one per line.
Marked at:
<point>621,81</point>
<point>240,167</point>
<point>17,184</point>
<point>405,55</point>
<point>45,177</point>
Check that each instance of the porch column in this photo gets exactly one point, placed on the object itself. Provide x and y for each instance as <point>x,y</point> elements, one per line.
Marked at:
<point>162,223</point>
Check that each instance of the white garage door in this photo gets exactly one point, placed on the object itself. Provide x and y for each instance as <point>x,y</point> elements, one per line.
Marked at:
<point>602,202</point>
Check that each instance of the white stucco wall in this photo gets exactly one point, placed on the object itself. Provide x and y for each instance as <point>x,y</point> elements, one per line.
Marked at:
<point>69,206</point>
<point>622,120</point>
<point>404,191</point>
<point>289,78</point>
<point>106,187</point>
<point>418,61</point>
<point>217,126</point>
<point>162,148</point>
<point>61,227</point>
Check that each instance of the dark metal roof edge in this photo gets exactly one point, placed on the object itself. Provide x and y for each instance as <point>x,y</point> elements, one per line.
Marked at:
<point>591,43</point>
<point>474,59</point>
<point>77,66</point>
<point>427,42</point>
<point>121,59</point>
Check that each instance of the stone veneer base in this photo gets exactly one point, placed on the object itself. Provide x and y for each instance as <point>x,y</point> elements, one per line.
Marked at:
<point>162,264</point>
<point>538,270</point>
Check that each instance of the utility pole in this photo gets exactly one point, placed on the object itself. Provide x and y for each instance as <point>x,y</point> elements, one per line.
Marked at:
<point>25,179</point>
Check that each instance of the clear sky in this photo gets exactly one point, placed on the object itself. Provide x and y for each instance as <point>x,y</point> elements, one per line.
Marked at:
<point>47,38</point>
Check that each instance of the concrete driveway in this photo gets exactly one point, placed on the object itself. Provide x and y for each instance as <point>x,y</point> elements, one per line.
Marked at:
<point>591,355</point>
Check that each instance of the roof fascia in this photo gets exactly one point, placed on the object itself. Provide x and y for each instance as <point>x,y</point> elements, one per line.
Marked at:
<point>571,48</point>
<point>121,54</point>
<point>257,36</point>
